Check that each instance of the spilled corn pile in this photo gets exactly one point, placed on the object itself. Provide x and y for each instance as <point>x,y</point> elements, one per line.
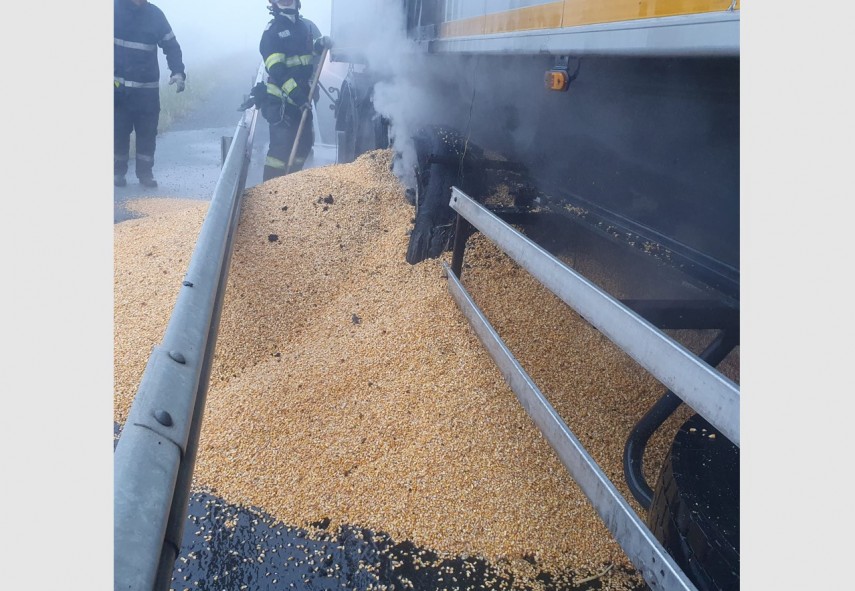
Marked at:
<point>348,388</point>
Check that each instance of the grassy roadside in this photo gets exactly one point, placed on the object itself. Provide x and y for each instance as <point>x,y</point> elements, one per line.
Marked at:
<point>174,105</point>
<point>202,80</point>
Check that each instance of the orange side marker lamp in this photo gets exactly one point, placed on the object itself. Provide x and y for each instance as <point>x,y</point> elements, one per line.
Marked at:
<point>558,79</point>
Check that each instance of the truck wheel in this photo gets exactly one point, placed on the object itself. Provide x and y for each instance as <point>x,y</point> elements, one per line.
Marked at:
<point>437,151</point>
<point>695,507</point>
<point>382,140</point>
<point>445,159</point>
<point>434,225</point>
<point>359,128</point>
<point>346,121</point>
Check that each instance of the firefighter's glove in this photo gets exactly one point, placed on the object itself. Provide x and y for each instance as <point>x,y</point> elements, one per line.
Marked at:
<point>322,43</point>
<point>118,91</point>
<point>300,98</point>
<point>249,102</point>
<point>259,90</point>
<point>258,97</point>
<point>178,80</point>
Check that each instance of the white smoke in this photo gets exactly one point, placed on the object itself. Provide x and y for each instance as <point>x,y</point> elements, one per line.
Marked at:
<point>412,91</point>
<point>208,31</point>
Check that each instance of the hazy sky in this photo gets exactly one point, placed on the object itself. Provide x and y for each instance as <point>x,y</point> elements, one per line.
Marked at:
<point>215,27</point>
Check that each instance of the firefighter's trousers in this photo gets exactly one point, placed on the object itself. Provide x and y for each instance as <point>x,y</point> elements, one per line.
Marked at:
<point>282,137</point>
<point>137,110</point>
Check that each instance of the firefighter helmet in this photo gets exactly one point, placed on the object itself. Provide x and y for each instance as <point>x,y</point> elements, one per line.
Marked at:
<point>286,4</point>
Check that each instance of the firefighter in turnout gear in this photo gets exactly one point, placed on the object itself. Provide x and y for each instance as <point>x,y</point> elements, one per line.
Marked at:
<point>139,28</point>
<point>289,46</point>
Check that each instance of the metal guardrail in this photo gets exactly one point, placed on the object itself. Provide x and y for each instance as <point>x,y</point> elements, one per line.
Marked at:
<point>708,392</point>
<point>156,453</point>
<point>638,542</point>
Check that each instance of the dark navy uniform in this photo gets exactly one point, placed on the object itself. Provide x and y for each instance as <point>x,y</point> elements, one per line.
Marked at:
<point>288,47</point>
<point>138,31</point>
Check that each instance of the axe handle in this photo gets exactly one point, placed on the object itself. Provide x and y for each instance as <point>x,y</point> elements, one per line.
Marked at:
<point>315,77</point>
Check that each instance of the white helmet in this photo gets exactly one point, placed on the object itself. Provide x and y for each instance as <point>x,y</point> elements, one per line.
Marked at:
<point>287,6</point>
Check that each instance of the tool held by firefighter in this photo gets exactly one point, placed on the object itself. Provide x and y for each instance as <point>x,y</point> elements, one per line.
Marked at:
<point>290,47</point>
<point>308,106</point>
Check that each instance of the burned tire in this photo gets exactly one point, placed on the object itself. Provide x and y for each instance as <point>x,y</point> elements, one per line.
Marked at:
<point>443,157</point>
<point>432,228</point>
<point>381,133</point>
<point>695,508</point>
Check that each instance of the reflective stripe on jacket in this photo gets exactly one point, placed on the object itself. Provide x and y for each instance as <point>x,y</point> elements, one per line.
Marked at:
<point>137,33</point>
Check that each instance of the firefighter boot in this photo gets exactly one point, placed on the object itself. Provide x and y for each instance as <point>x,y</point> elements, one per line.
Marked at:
<point>120,169</point>
<point>145,162</point>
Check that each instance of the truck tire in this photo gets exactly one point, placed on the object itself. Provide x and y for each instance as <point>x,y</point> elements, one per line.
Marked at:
<point>359,128</point>
<point>432,228</point>
<point>695,507</point>
<point>382,141</point>
<point>444,157</point>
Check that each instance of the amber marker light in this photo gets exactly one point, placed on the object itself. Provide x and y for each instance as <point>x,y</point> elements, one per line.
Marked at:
<point>557,80</point>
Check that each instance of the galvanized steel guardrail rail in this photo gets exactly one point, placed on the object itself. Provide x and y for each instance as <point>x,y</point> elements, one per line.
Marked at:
<point>156,452</point>
<point>709,393</point>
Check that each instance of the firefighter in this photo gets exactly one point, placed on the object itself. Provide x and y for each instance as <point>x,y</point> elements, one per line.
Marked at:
<point>289,46</point>
<point>139,28</point>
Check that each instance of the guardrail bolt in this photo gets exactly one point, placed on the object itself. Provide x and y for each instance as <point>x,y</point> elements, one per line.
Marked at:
<point>187,284</point>
<point>163,417</point>
<point>177,356</point>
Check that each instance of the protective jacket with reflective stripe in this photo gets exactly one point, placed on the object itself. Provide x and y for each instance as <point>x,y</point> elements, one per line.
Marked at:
<point>137,33</point>
<point>287,50</point>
